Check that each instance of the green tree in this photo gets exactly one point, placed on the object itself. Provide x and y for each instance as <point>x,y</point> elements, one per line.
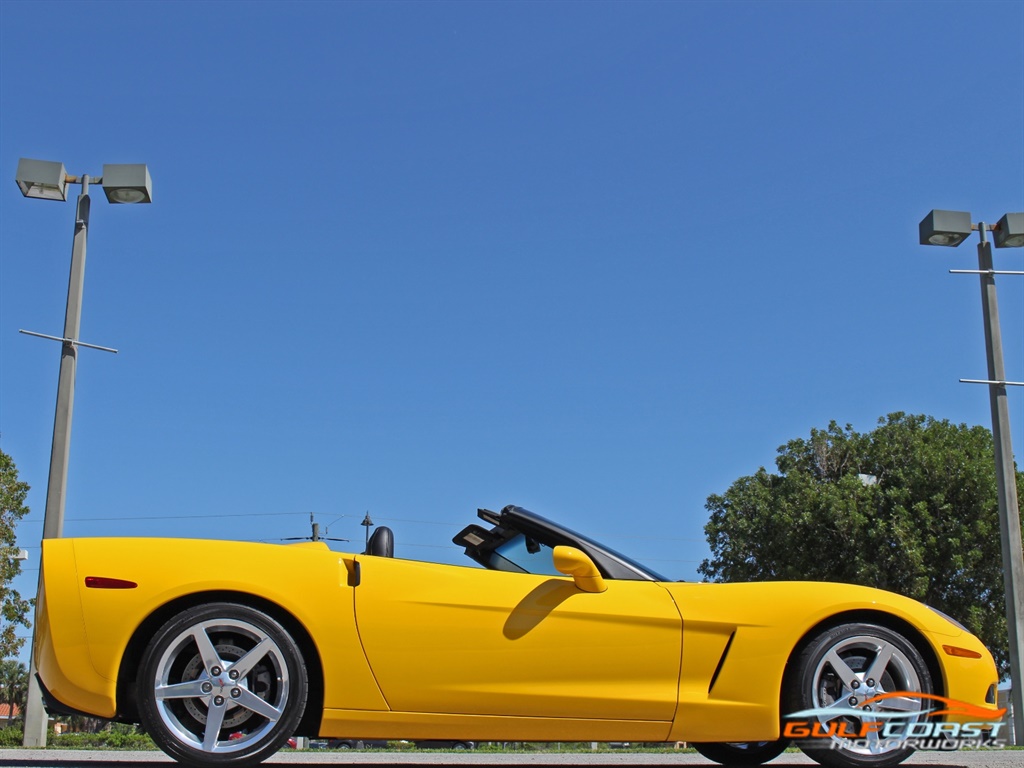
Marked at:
<point>12,508</point>
<point>13,686</point>
<point>910,507</point>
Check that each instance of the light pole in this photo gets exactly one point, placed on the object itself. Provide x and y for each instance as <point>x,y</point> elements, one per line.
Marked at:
<point>950,228</point>
<point>367,522</point>
<point>48,180</point>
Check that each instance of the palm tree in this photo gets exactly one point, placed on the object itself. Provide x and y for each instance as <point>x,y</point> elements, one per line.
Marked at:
<point>13,686</point>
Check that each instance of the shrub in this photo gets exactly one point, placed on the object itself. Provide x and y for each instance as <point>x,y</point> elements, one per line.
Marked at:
<point>118,736</point>
<point>11,736</point>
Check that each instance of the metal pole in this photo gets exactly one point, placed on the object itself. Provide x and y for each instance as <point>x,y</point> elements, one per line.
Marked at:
<point>56,485</point>
<point>367,522</point>
<point>1006,480</point>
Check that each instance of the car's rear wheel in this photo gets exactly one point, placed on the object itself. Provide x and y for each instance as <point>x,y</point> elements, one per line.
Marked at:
<point>742,753</point>
<point>221,686</point>
<point>846,678</point>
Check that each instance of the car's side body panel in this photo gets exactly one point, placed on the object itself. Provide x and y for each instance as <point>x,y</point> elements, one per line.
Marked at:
<point>747,632</point>
<point>91,628</point>
<point>455,640</point>
<point>62,654</point>
<point>427,725</point>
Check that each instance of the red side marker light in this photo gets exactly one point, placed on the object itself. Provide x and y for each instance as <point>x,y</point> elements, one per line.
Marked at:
<point>963,653</point>
<point>106,582</point>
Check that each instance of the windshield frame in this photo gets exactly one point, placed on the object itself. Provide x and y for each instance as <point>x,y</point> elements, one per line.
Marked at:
<point>513,521</point>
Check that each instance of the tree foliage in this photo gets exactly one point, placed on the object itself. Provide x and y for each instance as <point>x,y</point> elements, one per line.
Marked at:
<point>910,507</point>
<point>13,608</point>
<point>13,686</point>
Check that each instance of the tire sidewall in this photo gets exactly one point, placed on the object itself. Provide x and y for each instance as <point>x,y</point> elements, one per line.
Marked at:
<point>294,705</point>
<point>741,754</point>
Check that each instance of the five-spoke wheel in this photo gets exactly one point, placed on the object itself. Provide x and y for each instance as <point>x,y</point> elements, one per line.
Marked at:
<point>221,685</point>
<point>852,680</point>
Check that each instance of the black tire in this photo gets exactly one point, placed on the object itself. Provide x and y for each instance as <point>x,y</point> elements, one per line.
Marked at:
<point>741,753</point>
<point>844,667</point>
<point>221,686</point>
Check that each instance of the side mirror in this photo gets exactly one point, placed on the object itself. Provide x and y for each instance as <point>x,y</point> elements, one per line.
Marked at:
<point>573,562</point>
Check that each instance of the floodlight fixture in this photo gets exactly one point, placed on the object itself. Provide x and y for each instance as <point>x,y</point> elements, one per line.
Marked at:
<point>949,228</point>
<point>1009,232</point>
<point>48,180</point>
<point>128,183</point>
<point>42,179</point>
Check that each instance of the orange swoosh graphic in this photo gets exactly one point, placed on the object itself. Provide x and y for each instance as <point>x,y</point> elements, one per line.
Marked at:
<point>953,706</point>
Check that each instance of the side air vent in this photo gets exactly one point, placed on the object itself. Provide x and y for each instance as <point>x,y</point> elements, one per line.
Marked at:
<point>721,661</point>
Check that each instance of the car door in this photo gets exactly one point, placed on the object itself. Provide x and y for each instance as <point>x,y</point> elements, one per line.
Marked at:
<point>451,639</point>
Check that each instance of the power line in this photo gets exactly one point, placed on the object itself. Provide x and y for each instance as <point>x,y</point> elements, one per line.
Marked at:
<point>412,521</point>
<point>175,517</point>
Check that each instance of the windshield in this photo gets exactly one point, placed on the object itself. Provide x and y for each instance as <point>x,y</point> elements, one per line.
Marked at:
<point>523,555</point>
<point>523,542</point>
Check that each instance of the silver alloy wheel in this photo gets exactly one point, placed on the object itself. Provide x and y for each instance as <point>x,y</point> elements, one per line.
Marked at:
<point>855,670</point>
<point>217,676</point>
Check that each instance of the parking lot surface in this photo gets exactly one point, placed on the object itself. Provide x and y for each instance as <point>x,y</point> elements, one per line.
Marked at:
<point>59,758</point>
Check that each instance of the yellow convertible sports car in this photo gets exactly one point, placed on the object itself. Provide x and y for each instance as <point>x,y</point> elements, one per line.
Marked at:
<point>223,650</point>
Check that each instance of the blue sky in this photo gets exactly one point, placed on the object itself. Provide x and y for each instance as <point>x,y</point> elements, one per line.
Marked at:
<point>595,259</point>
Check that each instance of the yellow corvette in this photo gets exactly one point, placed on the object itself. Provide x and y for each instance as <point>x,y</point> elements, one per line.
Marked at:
<point>223,650</point>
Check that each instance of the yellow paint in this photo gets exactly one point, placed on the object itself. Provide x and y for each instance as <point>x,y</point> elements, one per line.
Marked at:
<point>769,619</point>
<point>418,650</point>
<point>420,725</point>
<point>575,563</point>
<point>309,582</point>
<point>449,639</point>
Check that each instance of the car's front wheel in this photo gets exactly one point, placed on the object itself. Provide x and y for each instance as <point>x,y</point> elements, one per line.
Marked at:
<point>745,753</point>
<point>221,686</point>
<point>852,682</point>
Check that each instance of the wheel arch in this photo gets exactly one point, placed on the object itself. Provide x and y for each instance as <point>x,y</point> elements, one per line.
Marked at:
<point>127,705</point>
<point>868,616</point>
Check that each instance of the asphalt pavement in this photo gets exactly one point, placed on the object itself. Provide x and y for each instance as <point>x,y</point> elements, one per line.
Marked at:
<point>80,758</point>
